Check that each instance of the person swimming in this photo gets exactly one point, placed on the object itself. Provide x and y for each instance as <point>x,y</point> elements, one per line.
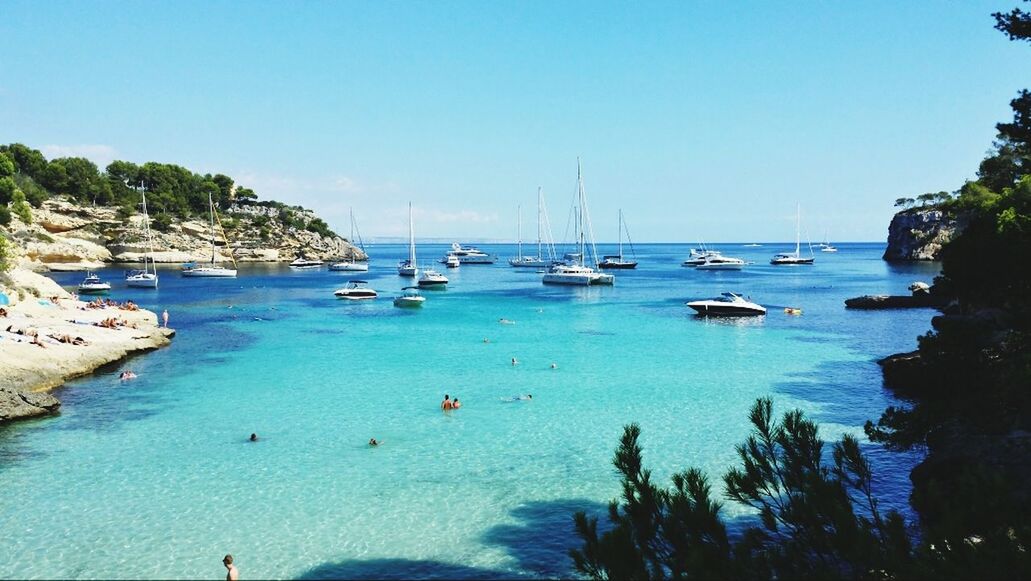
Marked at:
<point>447,404</point>
<point>253,438</point>
<point>515,361</point>
<point>127,375</point>
<point>554,366</point>
<point>526,397</point>
<point>505,321</point>
<point>373,442</point>
<point>456,404</point>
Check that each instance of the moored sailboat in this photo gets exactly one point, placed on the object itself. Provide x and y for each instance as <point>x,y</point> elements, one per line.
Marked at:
<point>351,264</point>
<point>617,261</point>
<point>575,271</point>
<point>408,266</point>
<point>789,258</point>
<point>144,278</point>
<point>213,269</point>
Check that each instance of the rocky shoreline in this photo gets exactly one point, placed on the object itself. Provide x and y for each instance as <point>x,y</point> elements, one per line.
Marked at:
<point>48,337</point>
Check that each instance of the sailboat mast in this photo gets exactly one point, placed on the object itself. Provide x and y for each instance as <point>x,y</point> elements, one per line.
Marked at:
<point>211,210</point>
<point>538,223</point>
<point>146,227</point>
<point>411,236</point>
<point>581,245</point>
<point>620,226</point>
<point>798,229</point>
<point>519,231</point>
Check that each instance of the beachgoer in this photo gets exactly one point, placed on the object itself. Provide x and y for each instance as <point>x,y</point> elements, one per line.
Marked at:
<point>486,340</point>
<point>127,375</point>
<point>446,404</point>
<point>254,437</point>
<point>373,442</point>
<point>456,404</point>
<point>505,321</point>
<point>231,573</point>
<point>514,362</point>
<point>554,366</point>
<point>164,317</point>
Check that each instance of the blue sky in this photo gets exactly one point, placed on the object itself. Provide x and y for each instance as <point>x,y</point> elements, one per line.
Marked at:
<point>702,120</point>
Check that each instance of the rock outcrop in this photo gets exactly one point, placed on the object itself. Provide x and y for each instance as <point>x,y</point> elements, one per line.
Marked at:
<point>920,234</point>
<point>68,236</point>
<point>16,405</point>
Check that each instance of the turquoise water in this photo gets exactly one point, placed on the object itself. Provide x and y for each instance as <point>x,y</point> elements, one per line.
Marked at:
<point>154,477</point>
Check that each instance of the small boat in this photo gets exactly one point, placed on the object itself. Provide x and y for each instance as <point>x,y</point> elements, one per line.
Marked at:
<point>351,264</point>
<point>93,285</point>
<point>727,305</point>
<point>720,262</point>
<point>471,255</point>
<point>301,262</point>
<point>789,258</point>
<point>408,266</point>
<point>616,261</point>
<point>213,269</point>
<point>538,261</point>
<point>356,290</point>
<point>792,310</point>
<point>410,298</point>
<point>432,279</point>
<point>144,278</point>
<point>451,261</point>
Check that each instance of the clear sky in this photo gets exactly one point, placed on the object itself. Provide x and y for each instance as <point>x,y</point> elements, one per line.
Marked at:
<point>702,120</point>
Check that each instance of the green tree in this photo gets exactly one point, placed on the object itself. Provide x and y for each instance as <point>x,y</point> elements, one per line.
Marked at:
<point>161,222</point>
<point>27,161</point>
<point>1015,24</point>
<point>7,187</point>
<point>5,215</point>
<point>6,165</point>
<point>245,194</point>
<point>20,207</point>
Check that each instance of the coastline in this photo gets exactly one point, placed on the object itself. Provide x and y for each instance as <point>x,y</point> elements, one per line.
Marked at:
<point>38,305</point>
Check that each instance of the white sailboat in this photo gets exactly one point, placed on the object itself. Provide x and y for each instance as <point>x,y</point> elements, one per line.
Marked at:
<point>575,271</point>
<point>352,264</point>
<point>796,256</point>
<point>144,278</point>
<point>826,246</point>
<point>539,260</point>
<point>616,261</point>
<point>213,269</point>
<point>408,267</point>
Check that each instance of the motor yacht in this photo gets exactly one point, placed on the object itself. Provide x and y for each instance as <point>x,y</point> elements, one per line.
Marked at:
<point>410,298</point>
<point>301,262</point>
<point>700,256</point>
<point>720,262</point>
<point>451,261</point>
<point>93,285</point>
<point>727,305</point>
<point>432,279</point>
<point>356,290</point>
<point>471,255</point>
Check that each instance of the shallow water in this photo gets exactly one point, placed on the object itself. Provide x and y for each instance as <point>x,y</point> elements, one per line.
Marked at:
<point>155,478</point>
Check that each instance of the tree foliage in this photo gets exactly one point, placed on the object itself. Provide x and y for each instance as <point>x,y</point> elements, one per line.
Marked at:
<point>20,207</point>
<point>816,519</point>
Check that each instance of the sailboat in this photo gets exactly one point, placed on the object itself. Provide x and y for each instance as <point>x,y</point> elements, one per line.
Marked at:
<point>407,267</point>
<point>574,271</point>
<point>616,261</point>
<point>796,256</point>
<point>352,264</point>
<point>144,278</point>
<point>825,246</point>
<point>537,261</point>
<point>212,270</point>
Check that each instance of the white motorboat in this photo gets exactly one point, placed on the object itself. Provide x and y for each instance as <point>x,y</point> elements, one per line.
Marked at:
<point>352,264</point>
<point>408,266</point>
<point>301,262</point>
<point>789,258</point>
<point>538,261</point>
<point>144,278</point>
<point>471,255</point>
<point>700,256</point>
<point>410,298</point>
<point>727,305</point>
<point>356,290</point>
<point>432,279</point>
<point>212,269</point>
<point>451,261</point>
<point>617,261</point>
<point>720,262</point>
<point>93,285</point>
<point>574,271</point>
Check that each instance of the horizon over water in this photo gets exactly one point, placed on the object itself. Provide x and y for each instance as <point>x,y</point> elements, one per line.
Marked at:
<point>155,478</point>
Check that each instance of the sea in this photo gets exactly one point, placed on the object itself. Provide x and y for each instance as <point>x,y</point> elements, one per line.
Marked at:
<point>155,477</point>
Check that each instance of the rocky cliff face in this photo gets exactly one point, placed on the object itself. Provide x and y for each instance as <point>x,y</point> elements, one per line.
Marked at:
<point>64,235</point>
<point>920,234</point>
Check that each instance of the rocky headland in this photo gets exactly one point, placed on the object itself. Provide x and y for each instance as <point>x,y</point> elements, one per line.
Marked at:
<point>921,233</point>
<point>48,337</point>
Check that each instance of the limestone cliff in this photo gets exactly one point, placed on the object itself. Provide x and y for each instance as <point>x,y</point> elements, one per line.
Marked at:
<point>920,234</point>
<point>64,235</point>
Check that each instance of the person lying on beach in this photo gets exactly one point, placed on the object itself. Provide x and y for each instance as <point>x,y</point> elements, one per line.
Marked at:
<point>35,341</point>
<point>3,312</point>
<point>66,338</point>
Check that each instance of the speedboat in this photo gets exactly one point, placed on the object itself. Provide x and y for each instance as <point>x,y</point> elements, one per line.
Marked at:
<point>301,262</point>
<point>699,257</point>
<point>356,290</point>
<point>432,279</point>
<point>720,262</point>
<point>349,266</point>
<point>93,285</point>
<point>727,305</point>
<point>409,298</point>
<point>141,279</point>
<point>471,255</point>
<point>451,261</point>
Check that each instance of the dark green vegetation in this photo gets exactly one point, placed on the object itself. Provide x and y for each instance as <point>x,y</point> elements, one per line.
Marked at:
<point>968,391</point>
<point>172,191</point>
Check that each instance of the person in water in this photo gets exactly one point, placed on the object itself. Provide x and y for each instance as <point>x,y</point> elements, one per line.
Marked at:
<point>447,404</point>
<point>456,404</point>
<point>164,316</point>
<point>232,574</point>
<point>127,375</point>
<point>254,437</point>
<point>373,442</point>
<point>515,361</point>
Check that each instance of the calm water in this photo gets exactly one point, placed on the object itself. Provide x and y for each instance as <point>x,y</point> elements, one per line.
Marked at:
<point>154,477</point>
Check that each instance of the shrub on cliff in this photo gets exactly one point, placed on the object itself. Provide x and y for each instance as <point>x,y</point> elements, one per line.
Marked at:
<point>20,207</point>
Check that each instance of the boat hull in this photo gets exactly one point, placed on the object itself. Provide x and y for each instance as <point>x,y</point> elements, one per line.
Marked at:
<point>94,290</point>
<point>409,302</point>
<point>728,266</point>
<point>791,261</point>
<point>142,281</point>
<point>210,273</point>
<point>528,263</point>
<point>728,311</point>
<point>613,265</point>
<point>349,267</point>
